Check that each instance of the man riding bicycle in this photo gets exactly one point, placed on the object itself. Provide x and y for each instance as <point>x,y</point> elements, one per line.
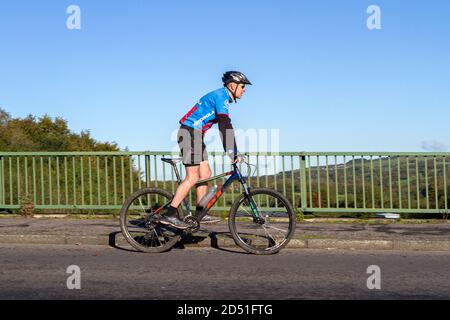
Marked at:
<point>212,108</point>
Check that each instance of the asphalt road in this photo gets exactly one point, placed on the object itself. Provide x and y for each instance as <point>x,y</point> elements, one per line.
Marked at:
<point>40,272</point>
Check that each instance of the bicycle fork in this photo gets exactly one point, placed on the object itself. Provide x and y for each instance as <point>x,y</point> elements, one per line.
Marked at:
<point>257,218</point>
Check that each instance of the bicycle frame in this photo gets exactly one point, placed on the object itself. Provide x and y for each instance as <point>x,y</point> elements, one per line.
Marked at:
<point>234,175</point>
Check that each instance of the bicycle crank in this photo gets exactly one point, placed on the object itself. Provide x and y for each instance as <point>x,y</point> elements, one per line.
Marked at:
<point>193,223</point>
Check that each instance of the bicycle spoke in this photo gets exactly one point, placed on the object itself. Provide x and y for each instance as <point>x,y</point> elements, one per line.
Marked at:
<point>269,235</point>
<point>157,236</point>
<point>284,231</point>
<point>140,203</point>
<point>137,223</point>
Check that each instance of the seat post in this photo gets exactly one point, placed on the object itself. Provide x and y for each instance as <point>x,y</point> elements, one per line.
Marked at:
<point>176,172</point>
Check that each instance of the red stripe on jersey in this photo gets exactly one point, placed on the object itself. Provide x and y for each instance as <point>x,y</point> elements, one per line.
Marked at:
<point>207,126</point>
<point>194,108</point>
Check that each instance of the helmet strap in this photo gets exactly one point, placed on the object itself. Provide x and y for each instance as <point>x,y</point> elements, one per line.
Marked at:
<point>233,93</point>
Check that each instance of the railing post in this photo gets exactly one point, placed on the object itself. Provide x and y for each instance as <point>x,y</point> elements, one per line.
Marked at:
<point>147,170</point>
<point>2,182</point>
<point>303,181</point>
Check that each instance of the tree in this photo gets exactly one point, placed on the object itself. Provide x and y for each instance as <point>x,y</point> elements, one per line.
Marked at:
<point>45,134</point>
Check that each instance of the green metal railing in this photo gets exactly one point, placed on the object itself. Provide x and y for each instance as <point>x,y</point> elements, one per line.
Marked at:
<point>313,182</point>
<point>376,182</point>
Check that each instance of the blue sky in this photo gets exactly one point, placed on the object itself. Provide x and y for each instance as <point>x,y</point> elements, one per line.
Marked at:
<point>321,77</point>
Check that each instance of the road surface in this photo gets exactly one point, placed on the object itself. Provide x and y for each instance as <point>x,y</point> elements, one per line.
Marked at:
<point>41,272</point>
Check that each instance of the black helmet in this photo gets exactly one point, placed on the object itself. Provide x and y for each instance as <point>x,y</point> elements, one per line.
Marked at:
<point>234,76</point>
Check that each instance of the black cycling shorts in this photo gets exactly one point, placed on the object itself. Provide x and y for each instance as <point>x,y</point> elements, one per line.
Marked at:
<point>192,146</point>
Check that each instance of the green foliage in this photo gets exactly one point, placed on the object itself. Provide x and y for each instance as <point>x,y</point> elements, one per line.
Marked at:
<point>57,180</point>
<point>45,134</point>
<point>26,206</point>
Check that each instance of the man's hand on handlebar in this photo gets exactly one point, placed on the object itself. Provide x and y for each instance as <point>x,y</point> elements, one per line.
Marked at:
<point>236,157</point>
<point>240,158</point>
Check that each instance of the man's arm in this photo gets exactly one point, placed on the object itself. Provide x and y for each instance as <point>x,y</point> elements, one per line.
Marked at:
<point>227,134</point>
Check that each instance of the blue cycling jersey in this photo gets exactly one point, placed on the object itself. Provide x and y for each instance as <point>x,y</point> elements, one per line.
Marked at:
<point>204,114</point>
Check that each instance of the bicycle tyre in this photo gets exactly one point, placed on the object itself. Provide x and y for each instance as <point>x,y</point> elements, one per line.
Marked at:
<point>234,218</point>
<point>157,231</point>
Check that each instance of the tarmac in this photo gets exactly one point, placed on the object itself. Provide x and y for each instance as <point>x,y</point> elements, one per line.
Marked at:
<point>378,234</point>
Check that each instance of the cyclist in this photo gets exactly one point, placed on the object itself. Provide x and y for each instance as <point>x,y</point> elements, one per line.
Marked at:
<point>210,109</point>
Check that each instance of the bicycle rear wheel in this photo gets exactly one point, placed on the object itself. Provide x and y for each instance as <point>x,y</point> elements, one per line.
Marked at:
<point>262,238</point>
<point>139,223</point>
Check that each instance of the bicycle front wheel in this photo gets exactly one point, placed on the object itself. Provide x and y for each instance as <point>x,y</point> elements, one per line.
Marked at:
<point>262,238</point>
<point>140,226</point>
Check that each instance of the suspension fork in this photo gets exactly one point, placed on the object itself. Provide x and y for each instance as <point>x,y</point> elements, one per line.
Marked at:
<point>256,215</point>
<point>255,212</point>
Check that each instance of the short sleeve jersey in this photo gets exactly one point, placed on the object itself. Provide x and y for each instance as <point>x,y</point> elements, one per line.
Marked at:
<point>204,114</point>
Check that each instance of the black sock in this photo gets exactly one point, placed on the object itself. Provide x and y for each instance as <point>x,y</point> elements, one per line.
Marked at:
<point>199,209</point>
<point>171,211</point>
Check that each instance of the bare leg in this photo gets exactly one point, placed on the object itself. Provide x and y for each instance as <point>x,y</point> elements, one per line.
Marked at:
<point>204,173</point>
<point>192,177</point>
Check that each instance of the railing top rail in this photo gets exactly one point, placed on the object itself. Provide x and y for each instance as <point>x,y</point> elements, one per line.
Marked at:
<point>392,154</point>
<point>159,153</point>
<point>84,153</point>
<point>124,153</point>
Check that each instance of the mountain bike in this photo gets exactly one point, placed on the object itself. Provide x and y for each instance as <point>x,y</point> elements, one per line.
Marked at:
<point>261,220</point>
